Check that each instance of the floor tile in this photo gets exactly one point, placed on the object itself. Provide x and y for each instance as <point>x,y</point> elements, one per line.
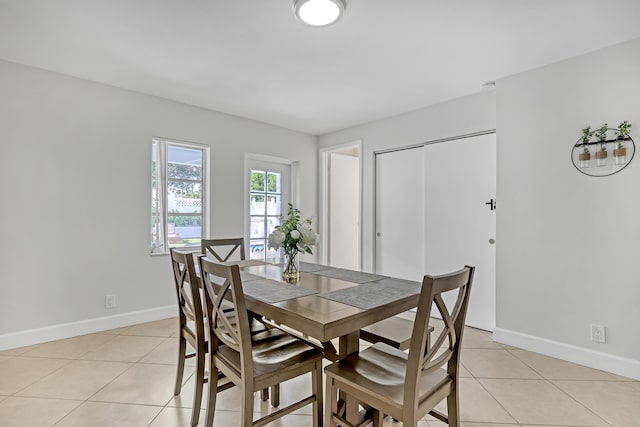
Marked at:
<point>142,383</point>
<point>160,328</point>
<point>96,414</point>
<point>539,402</point>
<point>20,372</point>
<point>167,353</point>
<point>463,424</point>
<point>124,348</point>
<point>116,331</point>
<point>181,417</point>
<point>230,400</point>
<point>476,338</point>
<point>464,372</point>
<point>33,412</point>
<point>485,363</point>
<point>77,380</point>
<point>617,402</point>
<point>70,348</point>
<point>477,405</point>
<point>556,369</point>
<point>18,351</point>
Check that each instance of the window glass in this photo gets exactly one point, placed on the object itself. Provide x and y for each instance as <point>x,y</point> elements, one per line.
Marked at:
<point>265,207</point>
<point>177,194</point>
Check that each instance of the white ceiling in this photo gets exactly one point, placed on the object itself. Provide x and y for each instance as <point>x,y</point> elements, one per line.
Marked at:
<point>251,58</point>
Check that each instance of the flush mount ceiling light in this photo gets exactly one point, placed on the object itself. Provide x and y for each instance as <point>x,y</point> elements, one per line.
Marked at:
<point>319,13</point>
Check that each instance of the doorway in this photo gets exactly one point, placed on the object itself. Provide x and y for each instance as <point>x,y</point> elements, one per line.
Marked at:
<point>341,235</point>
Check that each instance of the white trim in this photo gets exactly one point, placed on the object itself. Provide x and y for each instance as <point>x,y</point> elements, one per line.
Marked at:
<point>583,356</point>
<point>82,327</point>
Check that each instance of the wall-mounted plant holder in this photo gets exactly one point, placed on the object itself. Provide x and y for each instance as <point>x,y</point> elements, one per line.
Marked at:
<point>603,158</point>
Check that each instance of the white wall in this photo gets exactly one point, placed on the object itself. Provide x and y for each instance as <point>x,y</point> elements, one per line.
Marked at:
<point>62,138</point>
<point>458,117</point>
<point>568,243</point>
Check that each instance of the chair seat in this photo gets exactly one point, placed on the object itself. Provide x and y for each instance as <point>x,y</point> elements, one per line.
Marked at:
<point>273,350</point>
<point>380,371</point>
<point>394,331</point>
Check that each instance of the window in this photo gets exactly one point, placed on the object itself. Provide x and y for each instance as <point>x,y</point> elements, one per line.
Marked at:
<point>178,194</point>
<point>268,191</point>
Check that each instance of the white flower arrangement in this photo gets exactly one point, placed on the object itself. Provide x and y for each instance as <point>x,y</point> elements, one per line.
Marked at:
<point>293,235</point>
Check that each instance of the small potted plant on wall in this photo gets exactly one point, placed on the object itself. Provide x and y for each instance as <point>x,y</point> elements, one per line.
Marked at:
<point>601,154</point>
<point>620,152</point>
<point>585,156</point>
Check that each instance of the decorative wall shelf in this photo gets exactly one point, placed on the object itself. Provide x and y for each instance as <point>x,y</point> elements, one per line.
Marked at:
<point>603,164</point>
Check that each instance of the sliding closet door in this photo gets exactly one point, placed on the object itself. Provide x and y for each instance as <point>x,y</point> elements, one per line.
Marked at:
<point>460,224</point>
<point>434,215</point>
<point>400,214</point>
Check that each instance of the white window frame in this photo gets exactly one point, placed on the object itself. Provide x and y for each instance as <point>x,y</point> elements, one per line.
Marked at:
<point>161,246</point>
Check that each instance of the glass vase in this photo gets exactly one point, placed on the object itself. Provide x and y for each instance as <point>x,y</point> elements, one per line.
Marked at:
<point>620,154</point>
<point>601,158</point>
<point>291,271</point>
<point>585,159</point>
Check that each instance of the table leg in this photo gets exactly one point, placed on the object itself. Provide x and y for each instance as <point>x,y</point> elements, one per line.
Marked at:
<point>349,344</point>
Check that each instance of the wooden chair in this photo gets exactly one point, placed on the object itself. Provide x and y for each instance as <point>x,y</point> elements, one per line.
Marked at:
<point>409,386</point>
<point>253,363</point>
<point>226,250</point>
<point>191,323</point>
<point>217,248</point>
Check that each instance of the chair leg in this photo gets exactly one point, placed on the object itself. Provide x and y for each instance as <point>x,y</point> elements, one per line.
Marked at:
<point>199,384</point>
<point>246,414</point>
<point>453,407</point>
<point>213,392</point>
<point>275,395</point>
<point>316,386</point>
<point>182,350</point>
<point>377,418</point>
<point>264,394</point>
<point>332,404</point>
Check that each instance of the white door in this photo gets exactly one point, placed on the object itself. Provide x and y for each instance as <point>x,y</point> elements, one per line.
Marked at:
<point>344,211</point>
<point>399,237</point>
<point>460,178</point>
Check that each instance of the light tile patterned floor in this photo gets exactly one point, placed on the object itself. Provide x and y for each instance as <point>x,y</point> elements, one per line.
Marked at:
<point>124,378</point>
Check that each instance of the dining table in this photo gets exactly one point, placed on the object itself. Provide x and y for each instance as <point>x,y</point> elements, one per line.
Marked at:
<point>326,303</point>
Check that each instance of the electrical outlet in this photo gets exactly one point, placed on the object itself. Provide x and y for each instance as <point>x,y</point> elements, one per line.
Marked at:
<point>109,301</point>
<point>598,334</point>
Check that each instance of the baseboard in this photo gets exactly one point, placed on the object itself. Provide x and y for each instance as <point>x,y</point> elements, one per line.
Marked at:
<point>594,359</point>
<point>74,329</point>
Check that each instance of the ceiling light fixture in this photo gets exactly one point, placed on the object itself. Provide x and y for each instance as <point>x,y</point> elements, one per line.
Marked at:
<point>319,13</point>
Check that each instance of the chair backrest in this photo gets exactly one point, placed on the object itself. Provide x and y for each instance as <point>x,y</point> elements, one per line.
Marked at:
<point>425,358</point>
<point>187,286</point>
<point>222,285</point>
<point>217,248</point>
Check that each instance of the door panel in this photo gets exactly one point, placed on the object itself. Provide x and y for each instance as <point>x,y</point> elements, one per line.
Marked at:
<point>400,214</point>
<point>460,177</point>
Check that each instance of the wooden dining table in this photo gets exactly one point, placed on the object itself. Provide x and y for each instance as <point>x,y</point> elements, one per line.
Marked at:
<point>318,316</point>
